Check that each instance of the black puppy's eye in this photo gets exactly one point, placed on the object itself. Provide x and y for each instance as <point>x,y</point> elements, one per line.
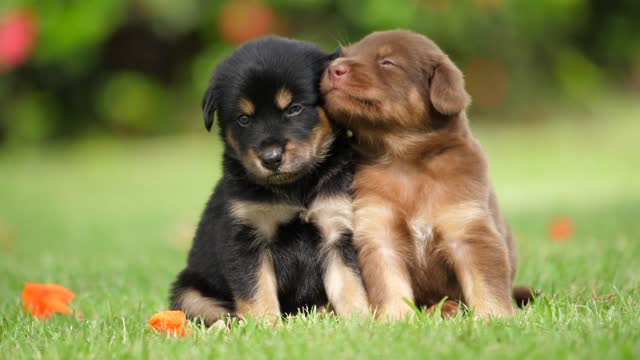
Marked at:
<point>387,62</point>
<point>243,120</point>
<point>294,109</point>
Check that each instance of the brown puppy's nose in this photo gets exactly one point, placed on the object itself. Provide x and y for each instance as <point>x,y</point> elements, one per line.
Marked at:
<point>338,70</point>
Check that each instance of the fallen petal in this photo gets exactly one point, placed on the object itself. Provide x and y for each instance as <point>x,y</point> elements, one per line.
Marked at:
<point>170,322</point>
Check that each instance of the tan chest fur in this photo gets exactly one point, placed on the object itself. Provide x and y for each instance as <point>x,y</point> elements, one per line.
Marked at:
<point>422,191</point>
<point>331,215</point>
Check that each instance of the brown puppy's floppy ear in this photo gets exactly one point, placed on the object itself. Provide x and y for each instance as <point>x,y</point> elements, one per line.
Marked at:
<point>209,106</point>
<point>447,92</point>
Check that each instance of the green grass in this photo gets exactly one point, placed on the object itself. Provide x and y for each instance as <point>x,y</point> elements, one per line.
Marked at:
<point>112,221</point>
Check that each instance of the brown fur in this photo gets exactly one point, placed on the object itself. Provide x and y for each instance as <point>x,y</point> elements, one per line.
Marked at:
<point>448,310</point>
<point>426,222</point>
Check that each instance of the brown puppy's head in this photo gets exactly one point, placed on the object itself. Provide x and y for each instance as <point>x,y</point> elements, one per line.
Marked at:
<point>393,79</point>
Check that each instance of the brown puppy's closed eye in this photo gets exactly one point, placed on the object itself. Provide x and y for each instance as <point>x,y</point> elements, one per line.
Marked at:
<point>426,220</point>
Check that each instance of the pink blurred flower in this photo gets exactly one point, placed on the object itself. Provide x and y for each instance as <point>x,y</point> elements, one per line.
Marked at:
<point>18,32</point>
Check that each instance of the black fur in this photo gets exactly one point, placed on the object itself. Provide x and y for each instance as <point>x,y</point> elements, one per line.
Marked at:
<point>223,260</point>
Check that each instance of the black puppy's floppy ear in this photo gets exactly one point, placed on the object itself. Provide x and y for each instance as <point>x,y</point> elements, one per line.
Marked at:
<point>336,54</point>
<point>209,107</point>
<point>447,92</point>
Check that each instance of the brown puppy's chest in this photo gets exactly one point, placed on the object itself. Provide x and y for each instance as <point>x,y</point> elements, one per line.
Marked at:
<point>420,195</point>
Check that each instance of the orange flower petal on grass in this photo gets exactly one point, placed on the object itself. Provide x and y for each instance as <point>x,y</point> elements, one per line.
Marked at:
<point>561,229</point>
<point>170,322</point>
<point>42,300</point>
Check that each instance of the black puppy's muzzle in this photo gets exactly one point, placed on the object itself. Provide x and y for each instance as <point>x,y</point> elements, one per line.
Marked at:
<point>271,156</point>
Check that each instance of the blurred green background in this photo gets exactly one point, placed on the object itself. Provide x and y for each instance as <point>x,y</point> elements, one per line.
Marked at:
<point>133,68</point>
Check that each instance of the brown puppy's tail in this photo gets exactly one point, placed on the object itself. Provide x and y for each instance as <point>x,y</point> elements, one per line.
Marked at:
<point>524,295</point>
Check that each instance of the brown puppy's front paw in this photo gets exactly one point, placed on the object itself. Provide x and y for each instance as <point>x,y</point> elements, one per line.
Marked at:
<point>488,311</point>
<point>394,312</point>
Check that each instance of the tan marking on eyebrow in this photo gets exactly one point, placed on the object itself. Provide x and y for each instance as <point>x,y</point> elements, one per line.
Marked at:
<point>283,98</point>
<point>385,50</point>
<point>246,106</point>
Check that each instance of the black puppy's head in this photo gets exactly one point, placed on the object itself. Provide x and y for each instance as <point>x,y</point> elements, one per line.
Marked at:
<point>267,98</point>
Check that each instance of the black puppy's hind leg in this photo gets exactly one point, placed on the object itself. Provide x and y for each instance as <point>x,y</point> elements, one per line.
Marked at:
<point>187,294</point>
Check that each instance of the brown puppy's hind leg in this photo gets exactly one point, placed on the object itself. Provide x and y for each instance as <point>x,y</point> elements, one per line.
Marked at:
<point>485,284</point>
<point>522,295</point>
<point>480,259</point>
<point>449,309</point>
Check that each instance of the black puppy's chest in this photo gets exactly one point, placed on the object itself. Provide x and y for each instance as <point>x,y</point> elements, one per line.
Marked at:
<point>298,265</point>
<point>294,240</point>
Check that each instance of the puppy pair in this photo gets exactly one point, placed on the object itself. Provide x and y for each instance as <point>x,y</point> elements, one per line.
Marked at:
<point>426,220</point>
<point>276,234</point>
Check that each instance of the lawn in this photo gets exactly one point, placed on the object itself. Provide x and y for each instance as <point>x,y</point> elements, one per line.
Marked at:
<point>112,220</point>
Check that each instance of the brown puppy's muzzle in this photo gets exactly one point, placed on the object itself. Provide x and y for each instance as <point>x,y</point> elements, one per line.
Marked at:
<point>342,74</point>
<point>350,92</point>
<point>337,73</point>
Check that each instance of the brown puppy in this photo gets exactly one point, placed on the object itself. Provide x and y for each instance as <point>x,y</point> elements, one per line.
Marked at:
<point>426,220</point>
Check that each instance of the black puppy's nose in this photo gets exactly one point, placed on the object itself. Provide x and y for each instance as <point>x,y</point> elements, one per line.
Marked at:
<point>271,156</point>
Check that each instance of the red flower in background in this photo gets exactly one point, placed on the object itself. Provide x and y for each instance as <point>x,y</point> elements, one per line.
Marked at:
<point>18,33</point>
<point>244,20</point>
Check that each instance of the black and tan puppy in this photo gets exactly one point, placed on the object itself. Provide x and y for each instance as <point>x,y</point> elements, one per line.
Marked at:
<point>275,236</point>
<point>426,219</point>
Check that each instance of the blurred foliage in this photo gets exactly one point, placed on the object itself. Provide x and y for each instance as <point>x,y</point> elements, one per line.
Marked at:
<point>139,67</point>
